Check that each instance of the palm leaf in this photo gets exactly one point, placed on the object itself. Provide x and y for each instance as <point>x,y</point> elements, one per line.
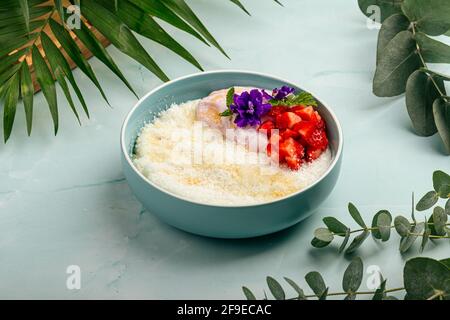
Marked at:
<point>30,28</point>
<point>27,91</point>
<point>45,79</point>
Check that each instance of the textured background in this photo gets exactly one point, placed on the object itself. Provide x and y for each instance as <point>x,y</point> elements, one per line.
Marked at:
<point>64,201</point>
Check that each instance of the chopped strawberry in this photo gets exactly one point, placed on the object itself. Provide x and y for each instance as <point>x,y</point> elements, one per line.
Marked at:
<point>276,110</point>
<point>317,140</point>
<point>292,152</point>
<point>268,126</point>
<point>288,133</point>
<point>313,154</point>
<point>287,120</point>
<point>306,113</point>
<point>305,129</point>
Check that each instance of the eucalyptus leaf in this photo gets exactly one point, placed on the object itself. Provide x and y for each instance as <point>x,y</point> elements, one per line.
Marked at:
<point>353,276</point>
<point>425,278</point>
<point>324,295</point>
<point>356,215</point>
<point>296,287</point>
<point>425,237</point>
<point>350,297</point>
<point>276,289</point>
<point>335,226</point>
<point>344,243</point>
<point>387,8</point>
<point>441,111</point>
<point>441,183</point>
<point>381,225</point>
<point>427,201</point>
<point>446,262</point>
<point>420,96</point>
<point>357,242</point>
<point>397,62</point>
<point>433,51</point>
<point>409,240</point>
<point>390,28</point>
<point>431,16</point>
<point>402,226</point>
<point>439,221</point>
<point>323,234</point>
<point>248,294</point>
<point>316,283</point>
<point>447,207</point>
<point>380,293</point>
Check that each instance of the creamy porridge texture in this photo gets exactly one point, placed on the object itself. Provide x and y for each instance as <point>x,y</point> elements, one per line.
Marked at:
<point>193,160</point>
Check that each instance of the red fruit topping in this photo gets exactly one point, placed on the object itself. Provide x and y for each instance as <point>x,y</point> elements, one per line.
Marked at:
<point>317,140</point>
<point>313,154</point>
<point>267,126</point>
<point>287,120</point>
<point>292,152</point>
<point>288,133</point>
<point>305,129</point>
<point>276,110</point>
<point>306,113</point>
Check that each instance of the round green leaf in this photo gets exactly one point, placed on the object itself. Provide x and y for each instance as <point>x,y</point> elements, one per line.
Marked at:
<point>296,287</point>
<point>420,96</point>
<point>323,234</point>
<point>427,201</point>
<point>356,215</point>
<point>357,242</point>
<point>409,240</point>
<point>316,283</point>
<point>353,276</point>
<point>275,288</point>
<point>316,243</point>
<point>335,226</point>
<point>390,28</point>
<point>397,62</point>
<point>431,16</point>
<point>441,112</point>
<point>425,278</point>
<point>248,294</point>
<point>432,51</point>
<point>402,226</point>
<point>382,221</point>
<point>447,207</point>
<point>439,221</point>
<point>441,183</point>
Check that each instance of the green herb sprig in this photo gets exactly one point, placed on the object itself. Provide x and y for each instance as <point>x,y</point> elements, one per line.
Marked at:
<point>303,98</point>
<point>230,96</point>
<point>435,228</point>
<point>423,279</point>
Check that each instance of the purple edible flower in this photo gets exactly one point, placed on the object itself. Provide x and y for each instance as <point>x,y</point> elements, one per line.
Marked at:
<point>249,107</point>
<point>283,92</point>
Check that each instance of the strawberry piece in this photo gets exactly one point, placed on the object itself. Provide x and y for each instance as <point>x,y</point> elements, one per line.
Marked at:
<point>313,154</point>
<point>288,133</point>
<point>287,120</point>
<point>292,152</point>
<point>305,129</point>
<point>268,126</point>
<point>306,113</point>
<point>317,140</point>
<point>276,111</point>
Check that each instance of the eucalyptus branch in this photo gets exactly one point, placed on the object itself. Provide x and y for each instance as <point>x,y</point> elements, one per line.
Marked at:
<point>424,279</point>
<point>435,228</point>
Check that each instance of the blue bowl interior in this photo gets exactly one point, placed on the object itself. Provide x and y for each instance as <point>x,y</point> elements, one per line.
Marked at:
<point>200,85</point>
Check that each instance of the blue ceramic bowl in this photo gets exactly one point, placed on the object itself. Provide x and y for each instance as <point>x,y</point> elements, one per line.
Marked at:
<point>223,221</point>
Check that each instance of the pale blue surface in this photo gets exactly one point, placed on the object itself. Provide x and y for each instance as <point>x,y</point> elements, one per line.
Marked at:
<point>63,200</point>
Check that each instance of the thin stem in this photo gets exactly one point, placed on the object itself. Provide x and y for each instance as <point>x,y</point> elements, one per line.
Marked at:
<point>376,228</point>
<point>419,52</point>
<point>355,293</point>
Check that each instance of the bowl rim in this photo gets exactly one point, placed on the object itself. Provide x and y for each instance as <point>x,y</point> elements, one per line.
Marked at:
<point>141,100</point>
